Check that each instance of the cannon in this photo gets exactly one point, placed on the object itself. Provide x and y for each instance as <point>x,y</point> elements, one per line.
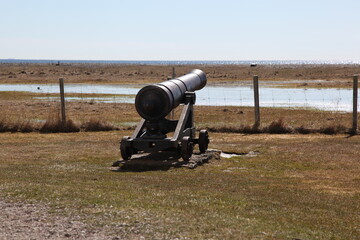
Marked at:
<point>153,103</point>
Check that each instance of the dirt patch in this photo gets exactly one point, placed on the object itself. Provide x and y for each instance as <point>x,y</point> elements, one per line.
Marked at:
<point>234,154</point>
<point>30,221</point>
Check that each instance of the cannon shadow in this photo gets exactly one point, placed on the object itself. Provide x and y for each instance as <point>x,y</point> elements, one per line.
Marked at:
<point>162,161</point>
<point>159,161</point>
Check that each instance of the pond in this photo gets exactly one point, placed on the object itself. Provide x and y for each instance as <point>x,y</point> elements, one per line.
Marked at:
<point>327,99</point>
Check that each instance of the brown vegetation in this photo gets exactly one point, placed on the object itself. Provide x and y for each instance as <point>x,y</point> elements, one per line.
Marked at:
<point>340,75</point>
<point>53,124</point>
<point>24,127</point>
<point>94,116</point>
<point>22,111</point>
<point>280,127</point>
<point>98,125</point>
<point>57,126</point>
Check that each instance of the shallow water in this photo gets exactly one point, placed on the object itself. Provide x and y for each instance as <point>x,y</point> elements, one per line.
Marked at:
<point>71,88</point>
<point>324,99</point>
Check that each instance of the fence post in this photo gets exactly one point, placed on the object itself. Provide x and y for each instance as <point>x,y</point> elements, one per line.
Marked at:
<point>355,103</point>
<point>256,101</point>
<point>62,97</point>
<point>173,75</point>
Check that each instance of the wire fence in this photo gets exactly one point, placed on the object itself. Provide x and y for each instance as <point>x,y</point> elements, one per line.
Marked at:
<point>338,100</point>
<point>325,99</point>
<point>329,103</point>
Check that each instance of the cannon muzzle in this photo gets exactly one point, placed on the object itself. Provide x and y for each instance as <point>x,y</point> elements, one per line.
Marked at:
<point>155,101</point>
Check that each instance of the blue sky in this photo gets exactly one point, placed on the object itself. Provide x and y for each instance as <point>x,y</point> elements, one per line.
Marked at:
<point>180,30</point>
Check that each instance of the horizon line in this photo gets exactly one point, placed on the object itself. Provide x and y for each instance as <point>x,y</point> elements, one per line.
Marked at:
<point>182,60</point>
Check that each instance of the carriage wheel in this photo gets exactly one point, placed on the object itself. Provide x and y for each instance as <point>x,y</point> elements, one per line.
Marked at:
<point>187,148</point>
<point>203,141</point>
<point>126,151</point>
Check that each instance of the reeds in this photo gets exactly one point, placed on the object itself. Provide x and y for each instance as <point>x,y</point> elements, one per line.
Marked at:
<point>98,125</point>
<point>280,127</point>
<point>23,127</point>
<point>3,126</point>
<point>55,125</point>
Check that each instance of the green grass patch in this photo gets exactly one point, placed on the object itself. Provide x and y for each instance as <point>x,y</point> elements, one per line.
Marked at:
<point>282,193</point>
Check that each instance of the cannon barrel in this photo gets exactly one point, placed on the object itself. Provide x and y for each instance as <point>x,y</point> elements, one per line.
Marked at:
<point>155,101</point>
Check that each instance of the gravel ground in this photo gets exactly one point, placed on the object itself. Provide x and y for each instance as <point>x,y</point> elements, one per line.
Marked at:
<point>30,221</point>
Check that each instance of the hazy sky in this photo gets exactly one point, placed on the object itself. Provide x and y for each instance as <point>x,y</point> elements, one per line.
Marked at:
<point>180,30</point>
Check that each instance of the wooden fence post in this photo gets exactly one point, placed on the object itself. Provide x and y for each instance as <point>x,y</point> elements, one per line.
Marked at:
<point>62,97</point>
<point>256,101</point>
<point>355,103</point>
<point>173,75</point>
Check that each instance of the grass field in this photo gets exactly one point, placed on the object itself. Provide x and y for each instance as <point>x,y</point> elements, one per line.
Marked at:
<point>297,187</point>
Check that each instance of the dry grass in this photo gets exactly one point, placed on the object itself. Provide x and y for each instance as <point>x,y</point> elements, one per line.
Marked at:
<point>234,129</point>
<point>98,125</point>
<point>280,127</point>
<point>340,75</point>
<point>22,114</point>
<point>334,129</point>
<point>3,126</point>
<point>24,127</point>
<point>57,126</point>
<point>217,119</point>
<point>214,117</point>
<point>36,115</point>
